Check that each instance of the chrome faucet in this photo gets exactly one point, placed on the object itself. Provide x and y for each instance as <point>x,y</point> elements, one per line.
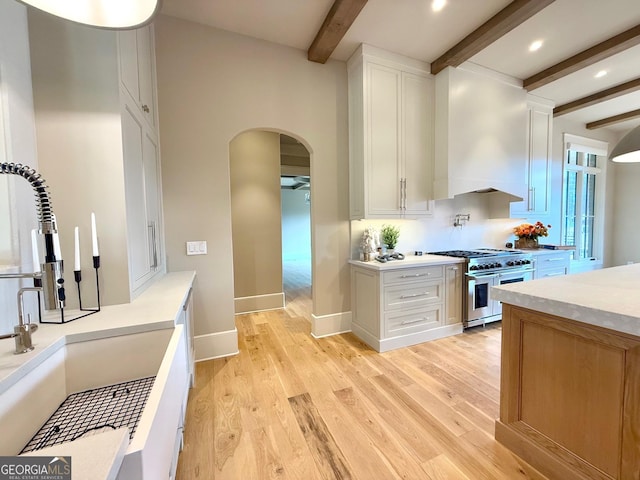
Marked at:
<point>22,332</point>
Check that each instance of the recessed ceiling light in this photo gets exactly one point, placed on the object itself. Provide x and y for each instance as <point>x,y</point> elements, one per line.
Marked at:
<point>438,5</point>
<point>535,45</point>
<point>600,74</point>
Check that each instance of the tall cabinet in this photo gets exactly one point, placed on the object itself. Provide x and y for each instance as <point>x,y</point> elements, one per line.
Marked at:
<point>390,135</point>
<point>140,148</point>
<point>538,171</point>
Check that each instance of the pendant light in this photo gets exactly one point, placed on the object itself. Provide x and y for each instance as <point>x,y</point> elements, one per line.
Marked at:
<point>110,14</point>
<point>628,149</point>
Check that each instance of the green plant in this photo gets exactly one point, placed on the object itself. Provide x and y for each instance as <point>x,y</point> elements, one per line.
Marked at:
<point>389,235</point>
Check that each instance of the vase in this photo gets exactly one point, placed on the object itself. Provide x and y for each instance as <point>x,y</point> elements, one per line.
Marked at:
<point>526,243</point>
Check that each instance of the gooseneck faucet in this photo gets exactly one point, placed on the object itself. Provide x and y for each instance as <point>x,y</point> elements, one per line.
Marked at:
<point>53,280</point>
<point>22,332</point>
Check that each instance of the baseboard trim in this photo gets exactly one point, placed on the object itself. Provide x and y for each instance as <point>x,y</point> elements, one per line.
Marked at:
<point>259,303</point>
<point>387,344</point>
<point>216,345</point>
<point>332,324</point>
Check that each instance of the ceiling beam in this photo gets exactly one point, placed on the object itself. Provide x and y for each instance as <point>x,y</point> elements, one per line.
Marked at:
<point>342,14</point>
<point>605,122</point>
<point>598,97</point>
<point>613,45</point>
<point>500,24</point>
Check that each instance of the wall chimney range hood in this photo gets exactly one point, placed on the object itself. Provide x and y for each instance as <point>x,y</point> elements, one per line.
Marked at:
<point>480,133</point>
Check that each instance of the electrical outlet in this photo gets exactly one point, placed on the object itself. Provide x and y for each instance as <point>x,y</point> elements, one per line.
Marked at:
<point>197,248</point>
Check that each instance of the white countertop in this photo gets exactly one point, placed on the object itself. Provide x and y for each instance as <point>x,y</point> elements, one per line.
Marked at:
<point>608,298</point>
<point>97,457</point>
<point>410,261</point>
<point>156,308</point>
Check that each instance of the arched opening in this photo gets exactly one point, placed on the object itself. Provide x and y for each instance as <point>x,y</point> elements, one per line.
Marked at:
<point>271,221</point>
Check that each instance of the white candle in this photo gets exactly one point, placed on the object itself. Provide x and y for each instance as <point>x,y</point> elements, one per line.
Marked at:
<point>94,235</point>
<point>35,252</point>
<point>76,263</point>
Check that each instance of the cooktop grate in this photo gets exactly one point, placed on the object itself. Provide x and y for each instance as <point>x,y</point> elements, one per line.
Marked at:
<point>91,411</point>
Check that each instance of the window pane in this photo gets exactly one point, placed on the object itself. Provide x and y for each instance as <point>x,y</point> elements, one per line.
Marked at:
<point>586,249</point>
<point>572,157</point>
<point>571,197</point>
<point>591,160</point>
<point>589,194</point>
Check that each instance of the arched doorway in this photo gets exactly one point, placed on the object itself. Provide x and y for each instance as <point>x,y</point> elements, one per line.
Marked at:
<point>261,236</point>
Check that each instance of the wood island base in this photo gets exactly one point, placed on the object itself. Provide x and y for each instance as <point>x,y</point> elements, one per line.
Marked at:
<point>569,396</point>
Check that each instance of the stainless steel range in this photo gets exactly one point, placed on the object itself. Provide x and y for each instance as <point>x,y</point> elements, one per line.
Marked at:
<point>487,267</point>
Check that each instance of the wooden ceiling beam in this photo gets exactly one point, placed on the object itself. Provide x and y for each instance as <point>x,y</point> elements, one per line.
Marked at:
<point>500,24</point>
<point>613,45</point>
<point>598,97</point>
<point>341,16</point>
<point>605,122</point>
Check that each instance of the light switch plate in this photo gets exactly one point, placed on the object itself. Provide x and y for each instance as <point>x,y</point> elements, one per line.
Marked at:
<point>197,248</point>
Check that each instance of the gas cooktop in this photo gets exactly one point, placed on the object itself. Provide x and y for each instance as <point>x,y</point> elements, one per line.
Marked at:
<point>478,253</point>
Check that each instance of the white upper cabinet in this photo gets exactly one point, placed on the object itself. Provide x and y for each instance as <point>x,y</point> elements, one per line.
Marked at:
<point>538,171</point>
<point>391,135</point>
<point>137,67</point>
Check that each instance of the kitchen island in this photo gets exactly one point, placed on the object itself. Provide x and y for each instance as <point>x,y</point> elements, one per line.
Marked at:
<point>570,379</point>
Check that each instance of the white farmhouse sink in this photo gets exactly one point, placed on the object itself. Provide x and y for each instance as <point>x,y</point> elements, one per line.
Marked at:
<point>75,367</point>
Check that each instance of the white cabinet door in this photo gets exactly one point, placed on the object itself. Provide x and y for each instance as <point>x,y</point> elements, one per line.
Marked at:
<point>453,294</point>
<point>383,167</point>
<point>417,144</point>
<point>142,198</point>
<point>539,133</point>
<point>137,66</point>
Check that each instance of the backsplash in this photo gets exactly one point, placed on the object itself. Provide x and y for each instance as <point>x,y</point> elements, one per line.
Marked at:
<point>438,232</point>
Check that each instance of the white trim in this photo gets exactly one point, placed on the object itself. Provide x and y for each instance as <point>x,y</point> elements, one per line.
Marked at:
<point>584,144</point>
<point>393,343</point>
<point>332,324</point>
<point>216,345</point>
<point>259,303</point>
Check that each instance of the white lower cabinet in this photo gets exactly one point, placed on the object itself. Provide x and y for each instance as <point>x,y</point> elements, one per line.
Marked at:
<point>405,306</point>
<point>551,263</point>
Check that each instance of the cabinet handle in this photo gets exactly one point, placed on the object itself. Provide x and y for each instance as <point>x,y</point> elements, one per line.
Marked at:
<point>154,248</point>
<point>455,269</point>
<point>553,274</point>
<point>413,295</point>
<point>554,259</point>
<point>145,109</point>
<point>415,275</point>
<point>416,320</point>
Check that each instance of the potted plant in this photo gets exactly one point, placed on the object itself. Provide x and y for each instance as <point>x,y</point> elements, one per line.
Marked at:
<point>528,234</point>
<point>389,236</point>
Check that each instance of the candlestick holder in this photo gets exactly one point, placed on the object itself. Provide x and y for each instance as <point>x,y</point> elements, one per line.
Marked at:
<point>61,295</point>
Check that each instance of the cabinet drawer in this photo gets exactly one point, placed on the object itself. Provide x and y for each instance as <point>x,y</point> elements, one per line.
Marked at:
<point>411,321</point>
<point>412,295</point>
<point>551,272</point>
<point>412,274</point>
<point>553,260</point>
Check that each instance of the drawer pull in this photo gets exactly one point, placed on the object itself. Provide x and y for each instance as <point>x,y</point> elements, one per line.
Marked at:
<point>553,274</point>
<point>415,320</point>
<point>554,259</point>
<point>413,295</point>
<point>415,275</point>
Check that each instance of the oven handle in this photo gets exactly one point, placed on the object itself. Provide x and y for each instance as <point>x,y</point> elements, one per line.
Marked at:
<point>515,272</point>
<point>470,276</point>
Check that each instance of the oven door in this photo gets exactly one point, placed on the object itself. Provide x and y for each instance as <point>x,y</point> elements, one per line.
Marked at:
<point>507,278</point>
<point>479,304</point>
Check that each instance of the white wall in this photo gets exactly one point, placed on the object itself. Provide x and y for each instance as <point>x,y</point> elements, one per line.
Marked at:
<point>296,225</point>
<point>213,85</point>
<point>625,235</point>
<point>18,145</point>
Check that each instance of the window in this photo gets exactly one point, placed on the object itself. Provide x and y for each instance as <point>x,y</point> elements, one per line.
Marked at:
<point>582,197</point>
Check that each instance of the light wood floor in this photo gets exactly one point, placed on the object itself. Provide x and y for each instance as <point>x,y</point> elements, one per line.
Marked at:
<point>293,407</point>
